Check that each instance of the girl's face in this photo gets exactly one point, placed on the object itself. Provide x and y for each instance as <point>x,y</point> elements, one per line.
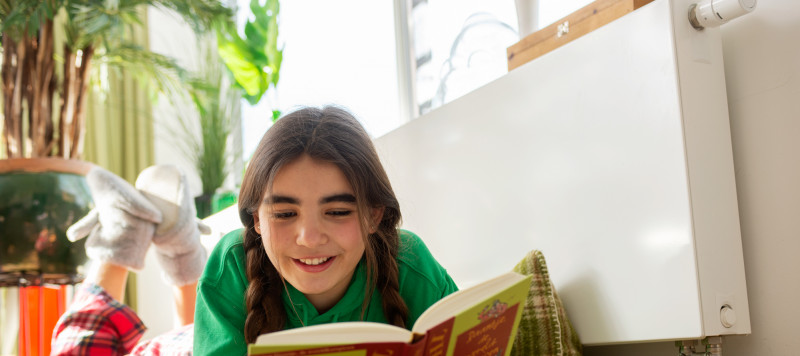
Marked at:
<point>310,229</point>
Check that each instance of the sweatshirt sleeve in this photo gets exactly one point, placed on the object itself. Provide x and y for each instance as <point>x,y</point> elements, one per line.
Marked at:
<point>220,310</point>
<point>423,281</point>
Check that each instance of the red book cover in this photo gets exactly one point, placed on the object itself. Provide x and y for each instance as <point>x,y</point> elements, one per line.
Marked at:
<point>490,337</point>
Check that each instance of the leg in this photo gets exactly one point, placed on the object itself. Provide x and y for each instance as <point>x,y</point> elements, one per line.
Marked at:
<point>110,277</point>
<point>184,297</point>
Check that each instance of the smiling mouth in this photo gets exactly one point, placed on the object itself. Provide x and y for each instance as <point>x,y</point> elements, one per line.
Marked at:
<point>314,261</point>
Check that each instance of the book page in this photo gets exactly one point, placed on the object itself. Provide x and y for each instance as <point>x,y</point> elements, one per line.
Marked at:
<point>337,334</point>
<point>457,302</point>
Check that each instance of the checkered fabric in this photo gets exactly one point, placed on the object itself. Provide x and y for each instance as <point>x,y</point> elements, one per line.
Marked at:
<point>544,329</point>
<point>174,343</point>
<point>96,324</point>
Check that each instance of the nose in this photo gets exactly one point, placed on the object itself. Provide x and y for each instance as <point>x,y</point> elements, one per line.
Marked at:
<point>310,232</point>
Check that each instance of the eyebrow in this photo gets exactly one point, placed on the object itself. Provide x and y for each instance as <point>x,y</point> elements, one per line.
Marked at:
<point>345,198</point>
<point>278,199</point>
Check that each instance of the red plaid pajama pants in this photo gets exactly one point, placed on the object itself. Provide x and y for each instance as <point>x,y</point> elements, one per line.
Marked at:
<point>96,324</point>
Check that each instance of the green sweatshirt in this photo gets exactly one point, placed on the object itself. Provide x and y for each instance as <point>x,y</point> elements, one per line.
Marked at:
<point>220,311</point>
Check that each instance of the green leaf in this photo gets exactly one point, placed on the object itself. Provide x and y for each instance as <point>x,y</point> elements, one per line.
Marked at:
<point>255,60</point>
<point>246,74</point>
<point>152,69</point>
<point>254,34</point>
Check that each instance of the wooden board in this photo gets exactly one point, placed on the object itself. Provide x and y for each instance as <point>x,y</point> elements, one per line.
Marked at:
<point>567,29</point>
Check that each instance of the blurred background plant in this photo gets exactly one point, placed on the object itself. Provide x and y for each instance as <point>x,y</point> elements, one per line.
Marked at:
<point>231,66</point>
<point>45,79</point>
<point>205,134</point>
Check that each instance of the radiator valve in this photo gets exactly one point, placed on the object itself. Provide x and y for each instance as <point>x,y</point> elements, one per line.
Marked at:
<point>712,13</point>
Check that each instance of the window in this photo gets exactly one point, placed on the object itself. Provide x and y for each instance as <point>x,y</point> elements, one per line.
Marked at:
<point>345,52</point>
<point>551,11</point>
<point>457,46</point>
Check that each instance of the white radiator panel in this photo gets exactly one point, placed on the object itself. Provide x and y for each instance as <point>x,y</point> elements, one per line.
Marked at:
<point>610,154</point>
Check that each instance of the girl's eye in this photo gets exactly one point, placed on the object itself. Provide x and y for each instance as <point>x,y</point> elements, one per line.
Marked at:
<point>284,215</point>
<point>336,213</point>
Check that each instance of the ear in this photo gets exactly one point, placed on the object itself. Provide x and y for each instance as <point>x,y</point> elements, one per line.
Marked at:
<point>256,223</point>
<point>376,215</point>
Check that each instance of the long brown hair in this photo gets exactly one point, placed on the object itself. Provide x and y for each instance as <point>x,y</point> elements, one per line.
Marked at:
<point>329,134</point>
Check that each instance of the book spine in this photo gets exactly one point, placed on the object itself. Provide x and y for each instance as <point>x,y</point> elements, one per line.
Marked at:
<point>416,347</point>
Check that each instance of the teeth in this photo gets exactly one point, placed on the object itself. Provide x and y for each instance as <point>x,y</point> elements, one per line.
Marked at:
<point>314,261</point>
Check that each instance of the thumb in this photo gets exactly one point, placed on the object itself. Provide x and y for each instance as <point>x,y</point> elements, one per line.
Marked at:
<point>204,229</point>
<point>84,226</point>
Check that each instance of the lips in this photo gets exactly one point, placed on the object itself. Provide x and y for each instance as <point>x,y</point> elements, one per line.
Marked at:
<point>314,265</point>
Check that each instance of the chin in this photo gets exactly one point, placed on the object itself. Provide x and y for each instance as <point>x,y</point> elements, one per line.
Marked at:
<point>316,291</point>
<point>311,288</point>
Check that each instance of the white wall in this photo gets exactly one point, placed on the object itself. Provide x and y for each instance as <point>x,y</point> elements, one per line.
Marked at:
<point>762,68</point>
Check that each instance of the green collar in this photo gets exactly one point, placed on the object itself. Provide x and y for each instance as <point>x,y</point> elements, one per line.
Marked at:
<point>344,310</point>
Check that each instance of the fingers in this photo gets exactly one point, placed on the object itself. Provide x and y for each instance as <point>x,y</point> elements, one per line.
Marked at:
<point>138,206</point>
<point>204,229</point>
<point>109,190</point>
<point>84,226</point>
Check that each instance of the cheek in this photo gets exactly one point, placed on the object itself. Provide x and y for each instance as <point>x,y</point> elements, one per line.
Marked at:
<point>353,240</point>
<point>269,247</point>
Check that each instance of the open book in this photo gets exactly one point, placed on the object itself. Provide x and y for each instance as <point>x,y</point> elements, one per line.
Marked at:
<point>480,321</point>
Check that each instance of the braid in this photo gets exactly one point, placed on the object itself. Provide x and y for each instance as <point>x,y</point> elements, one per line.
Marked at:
<point>394,307</point>
<point>382,264</point>
<point>265,312</point>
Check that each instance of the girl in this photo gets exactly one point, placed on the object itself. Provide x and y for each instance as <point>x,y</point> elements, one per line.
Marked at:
<point>320,242</point>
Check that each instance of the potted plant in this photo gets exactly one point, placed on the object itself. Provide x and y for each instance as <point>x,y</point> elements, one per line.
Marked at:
<point>253,63</point>
<point>205,131</point>
<point>44,88</point>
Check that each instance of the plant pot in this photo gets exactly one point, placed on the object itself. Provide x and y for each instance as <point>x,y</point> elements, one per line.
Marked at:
<point>208,204</point>
<point>41,198</point>
<point>223,199</point>
<point>202,204</point>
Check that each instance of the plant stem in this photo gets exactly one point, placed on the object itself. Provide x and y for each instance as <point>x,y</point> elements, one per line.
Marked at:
<point>67,104</point>
<point>13,127</point>
<point>15,87</point>
<point>41,95</point>
<point>78,133</point>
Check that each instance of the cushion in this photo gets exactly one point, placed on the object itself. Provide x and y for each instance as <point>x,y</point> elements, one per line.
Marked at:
<point>544,329</point>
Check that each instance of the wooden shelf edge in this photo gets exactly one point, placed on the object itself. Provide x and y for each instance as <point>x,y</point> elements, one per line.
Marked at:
<point>583,21</point>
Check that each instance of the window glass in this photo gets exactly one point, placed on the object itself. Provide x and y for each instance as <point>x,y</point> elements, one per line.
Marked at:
<point>458,46</point>
<point>340,52</point>
<point>552,10</point>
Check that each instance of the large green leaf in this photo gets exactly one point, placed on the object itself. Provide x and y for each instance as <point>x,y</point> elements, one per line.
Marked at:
<point>255,60</point>
<point>241,65</point>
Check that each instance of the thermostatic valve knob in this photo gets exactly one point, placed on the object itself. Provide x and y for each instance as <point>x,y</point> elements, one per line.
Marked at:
<point>727,316</point>
<point>712,13</point>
